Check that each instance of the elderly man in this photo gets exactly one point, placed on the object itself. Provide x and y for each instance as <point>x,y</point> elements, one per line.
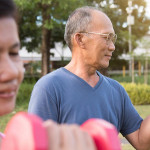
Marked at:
<point>77,92</point>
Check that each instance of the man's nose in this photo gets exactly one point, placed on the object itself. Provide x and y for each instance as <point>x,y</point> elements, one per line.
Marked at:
<point>8,70</point>
<point>111,46</point>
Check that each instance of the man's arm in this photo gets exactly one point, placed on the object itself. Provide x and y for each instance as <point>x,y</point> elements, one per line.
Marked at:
<point>140,139</point>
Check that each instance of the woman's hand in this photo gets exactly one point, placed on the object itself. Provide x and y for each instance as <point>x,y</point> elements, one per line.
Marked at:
<point>68,137</point>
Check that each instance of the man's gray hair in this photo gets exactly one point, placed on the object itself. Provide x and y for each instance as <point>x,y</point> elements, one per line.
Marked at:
<point>78,21</point>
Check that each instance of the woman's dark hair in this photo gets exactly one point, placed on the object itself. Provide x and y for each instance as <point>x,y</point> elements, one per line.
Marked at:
<point>8,9</point>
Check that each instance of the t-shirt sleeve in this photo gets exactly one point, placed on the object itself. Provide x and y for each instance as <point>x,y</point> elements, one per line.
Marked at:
<point>42,104</point>
<point>131,121</point>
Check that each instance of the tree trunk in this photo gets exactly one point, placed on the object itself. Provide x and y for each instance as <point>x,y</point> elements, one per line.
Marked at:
<point>146,71</point>
<point>45,48</point>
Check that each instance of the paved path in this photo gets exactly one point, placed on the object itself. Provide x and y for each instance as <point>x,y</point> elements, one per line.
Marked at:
<point>124,141</point>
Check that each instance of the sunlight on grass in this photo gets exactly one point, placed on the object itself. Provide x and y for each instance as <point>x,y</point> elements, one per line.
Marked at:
<point>127,147</point>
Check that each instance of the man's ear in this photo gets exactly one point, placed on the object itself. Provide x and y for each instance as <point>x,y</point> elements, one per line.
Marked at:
<point>80,39</point>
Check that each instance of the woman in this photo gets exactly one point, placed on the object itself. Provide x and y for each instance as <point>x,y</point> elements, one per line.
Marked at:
<point>66,137</point>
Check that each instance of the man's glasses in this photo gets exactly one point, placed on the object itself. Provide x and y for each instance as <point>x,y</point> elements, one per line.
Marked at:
<point>109,37</point>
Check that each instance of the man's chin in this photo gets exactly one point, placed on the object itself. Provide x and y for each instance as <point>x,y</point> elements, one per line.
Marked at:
<point>104,66</point>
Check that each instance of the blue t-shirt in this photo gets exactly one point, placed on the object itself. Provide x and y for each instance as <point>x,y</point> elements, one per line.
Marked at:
<point>66,98</point>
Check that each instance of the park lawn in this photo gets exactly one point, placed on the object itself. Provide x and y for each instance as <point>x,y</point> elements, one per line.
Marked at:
<point>127,147</point>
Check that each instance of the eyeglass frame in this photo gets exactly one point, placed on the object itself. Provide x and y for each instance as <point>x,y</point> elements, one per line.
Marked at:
<point>107,36</point>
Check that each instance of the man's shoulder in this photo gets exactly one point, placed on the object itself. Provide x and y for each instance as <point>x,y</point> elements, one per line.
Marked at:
<point>51,77</point>
<point>108,79</point>
<point>54,74</point>
<point>111,82</point>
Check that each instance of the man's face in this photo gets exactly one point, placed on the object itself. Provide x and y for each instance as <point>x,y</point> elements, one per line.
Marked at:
<point>11,67</point>
<point>99,50</point>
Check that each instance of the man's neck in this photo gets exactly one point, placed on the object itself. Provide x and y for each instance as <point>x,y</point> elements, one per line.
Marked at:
<point>83,71</point>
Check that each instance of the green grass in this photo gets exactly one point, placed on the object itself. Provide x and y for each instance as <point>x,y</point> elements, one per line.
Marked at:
<point>143,110</point>
<point>127,147</point>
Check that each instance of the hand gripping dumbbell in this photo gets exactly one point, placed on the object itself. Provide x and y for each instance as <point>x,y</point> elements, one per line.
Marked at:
<point>26,132</point>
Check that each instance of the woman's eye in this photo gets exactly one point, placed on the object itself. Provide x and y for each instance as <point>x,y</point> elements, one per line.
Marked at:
<point>13,53</point>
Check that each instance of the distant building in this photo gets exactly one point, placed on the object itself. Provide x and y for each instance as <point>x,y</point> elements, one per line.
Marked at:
<point>61,56</point>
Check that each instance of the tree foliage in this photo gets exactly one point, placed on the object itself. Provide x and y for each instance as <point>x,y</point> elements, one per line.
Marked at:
<point>32,21</point>
<point>45,18</point>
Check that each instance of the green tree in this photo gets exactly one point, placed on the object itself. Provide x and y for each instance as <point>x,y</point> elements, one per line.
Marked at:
<point>45,17</point>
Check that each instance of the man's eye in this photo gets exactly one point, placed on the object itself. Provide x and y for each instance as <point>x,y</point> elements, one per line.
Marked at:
<point>105,38</point>
<point>109,37</point>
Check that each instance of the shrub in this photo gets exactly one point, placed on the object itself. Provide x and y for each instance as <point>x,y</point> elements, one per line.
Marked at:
<point>138,93</point>
<point>24,94</point>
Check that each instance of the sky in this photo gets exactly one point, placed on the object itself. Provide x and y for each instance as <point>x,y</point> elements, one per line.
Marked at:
<point>148,8</point>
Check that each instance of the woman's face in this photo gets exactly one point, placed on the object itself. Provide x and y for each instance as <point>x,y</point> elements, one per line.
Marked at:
<point>11,66</point>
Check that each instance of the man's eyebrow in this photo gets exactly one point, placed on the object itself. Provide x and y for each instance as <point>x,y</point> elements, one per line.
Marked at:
<point>15,45</point>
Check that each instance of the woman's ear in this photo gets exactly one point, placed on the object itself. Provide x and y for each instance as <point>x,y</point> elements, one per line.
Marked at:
<point>80,39</point>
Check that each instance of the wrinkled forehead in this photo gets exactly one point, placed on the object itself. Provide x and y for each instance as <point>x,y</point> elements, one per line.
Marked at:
<point>101,22</point>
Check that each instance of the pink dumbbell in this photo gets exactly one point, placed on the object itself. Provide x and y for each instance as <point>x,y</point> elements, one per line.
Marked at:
<point>26,132</point>
<point>103,133</point>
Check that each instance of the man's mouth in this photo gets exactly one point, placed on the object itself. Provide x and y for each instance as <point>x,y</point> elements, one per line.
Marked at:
<point>108,56</point>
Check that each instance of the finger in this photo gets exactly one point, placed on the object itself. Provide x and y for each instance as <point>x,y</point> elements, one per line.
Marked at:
<point>67,138</point>
<point>89,143</point>
<point>82,139</point>
<point>53,134</point>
